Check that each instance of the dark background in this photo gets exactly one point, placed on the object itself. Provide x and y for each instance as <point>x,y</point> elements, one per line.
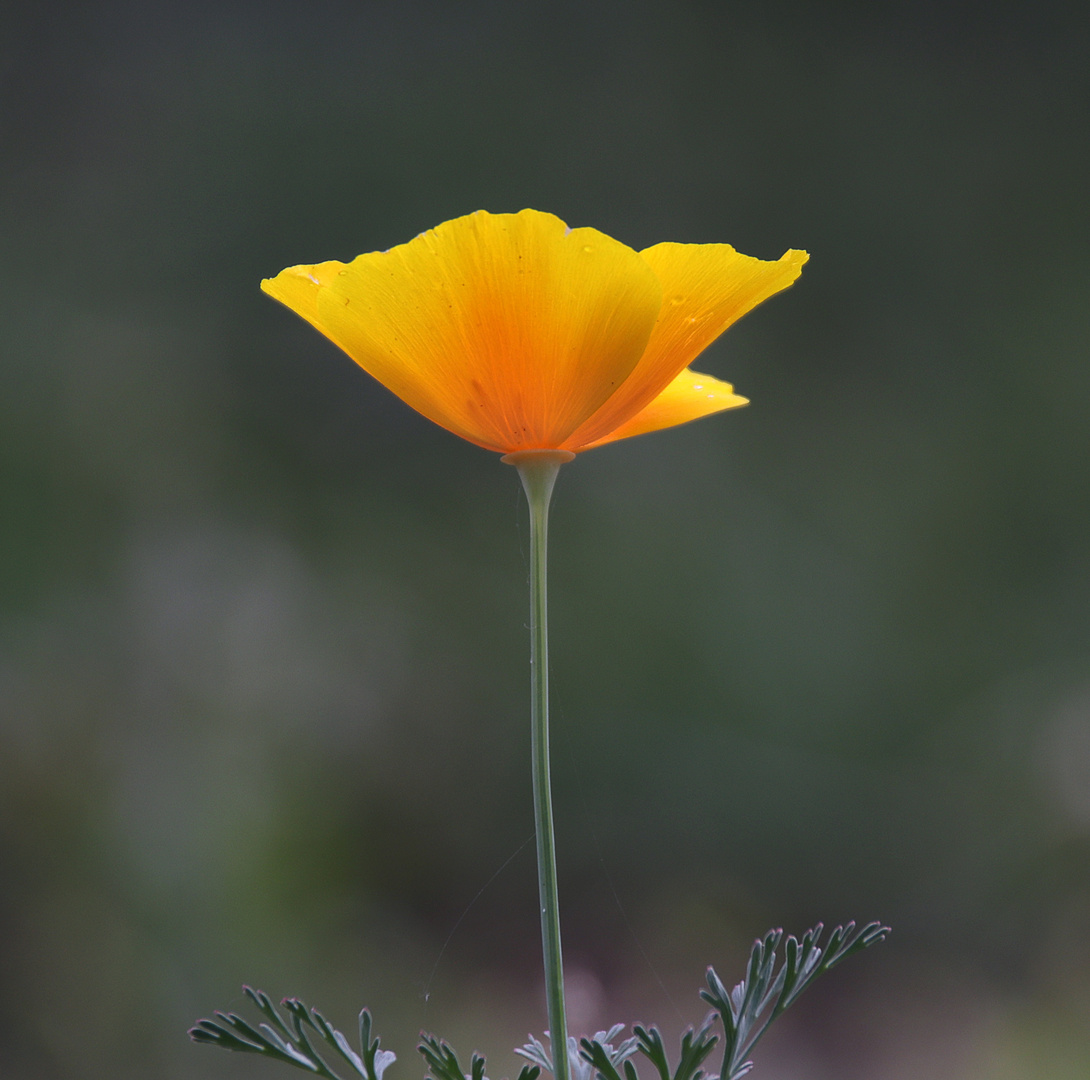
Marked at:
<point>263,680</point>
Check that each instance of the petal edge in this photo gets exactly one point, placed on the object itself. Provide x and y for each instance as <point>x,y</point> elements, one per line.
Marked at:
<point>689,397</point>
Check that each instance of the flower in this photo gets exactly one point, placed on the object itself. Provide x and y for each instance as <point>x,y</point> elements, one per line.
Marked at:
<point>518,333</point>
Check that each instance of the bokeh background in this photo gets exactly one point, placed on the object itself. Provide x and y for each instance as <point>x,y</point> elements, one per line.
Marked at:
<point>262,628</point>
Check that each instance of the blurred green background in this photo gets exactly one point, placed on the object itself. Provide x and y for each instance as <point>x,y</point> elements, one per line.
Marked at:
<point>263,656</point>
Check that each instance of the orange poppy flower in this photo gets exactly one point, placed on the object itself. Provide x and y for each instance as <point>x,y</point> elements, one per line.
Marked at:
<point>518,333</point>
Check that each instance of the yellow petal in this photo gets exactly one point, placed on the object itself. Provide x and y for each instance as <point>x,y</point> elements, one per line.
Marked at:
<point>706,287</point>
<point>508,329</point>
<point>689,397</point>
<point>297,287</point>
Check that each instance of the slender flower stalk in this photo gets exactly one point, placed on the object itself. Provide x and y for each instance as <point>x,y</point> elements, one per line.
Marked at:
<point>537,470</point>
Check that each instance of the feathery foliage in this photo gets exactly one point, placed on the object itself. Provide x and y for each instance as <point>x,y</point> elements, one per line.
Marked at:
<point>765,993</point>
<point>745,1012</point>
<point>443,1062</point>
<point>695,1047</point>
<point>274,1039</point>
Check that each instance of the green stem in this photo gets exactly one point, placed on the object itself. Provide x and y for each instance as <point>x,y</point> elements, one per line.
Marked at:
<point>538,470</point>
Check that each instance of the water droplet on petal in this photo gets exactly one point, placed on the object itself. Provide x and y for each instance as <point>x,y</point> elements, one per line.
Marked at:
<point>587,248</point>
<point>314,279</point>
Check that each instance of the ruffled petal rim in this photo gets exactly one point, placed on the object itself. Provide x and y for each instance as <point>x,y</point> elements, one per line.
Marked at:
<point>706,288</point>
